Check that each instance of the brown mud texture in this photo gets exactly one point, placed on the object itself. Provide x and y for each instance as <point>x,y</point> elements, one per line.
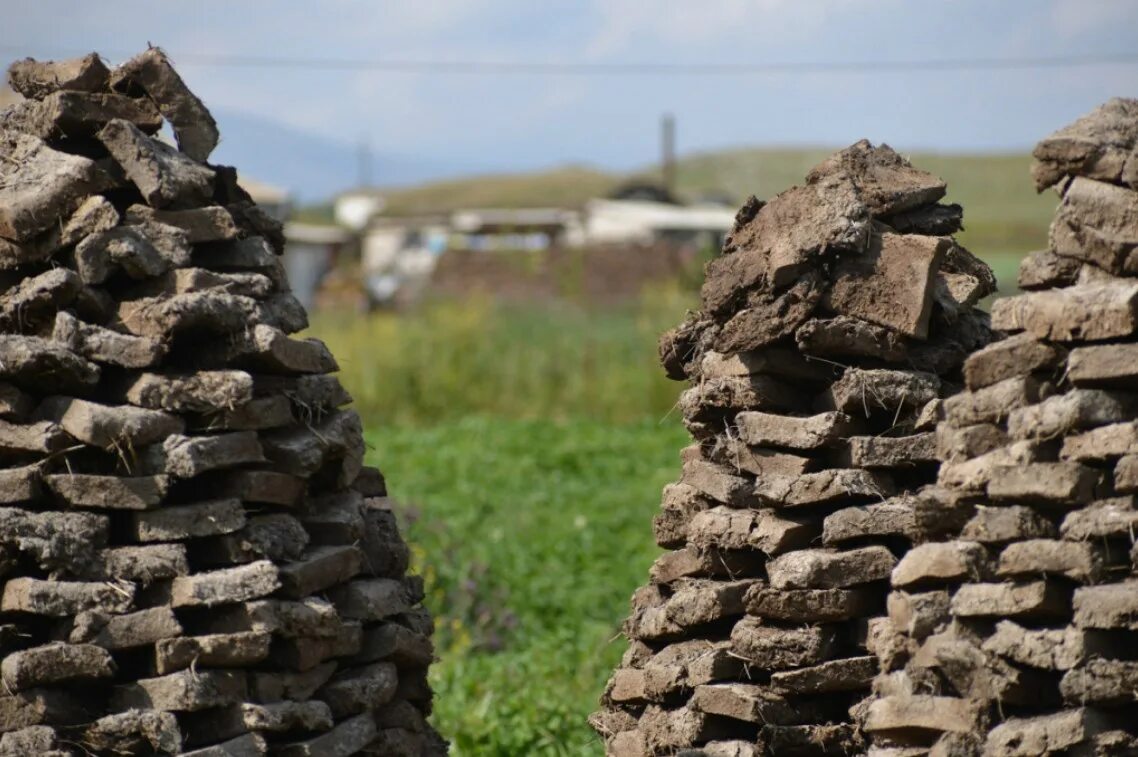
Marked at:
<point>193,558</point>
<point>833,326</point>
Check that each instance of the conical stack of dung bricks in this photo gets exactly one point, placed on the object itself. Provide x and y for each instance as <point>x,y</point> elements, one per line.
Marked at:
<point>192,558</point>
<point>834,322</point>
<point>1018,634</point>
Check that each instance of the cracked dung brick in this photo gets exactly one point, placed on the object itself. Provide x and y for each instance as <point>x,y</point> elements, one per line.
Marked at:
<point>346,739</point>
<point>1084,312</point>
<point>184,691</point>
<point>887,182</point>
<point>763,462</point>
<point>993,403</point>
<point>1116,440</point>
<point>812,432</point>
<point>139,252</point>
<point>61,599</point>
<point>63,543</point>
<point>974,474</point>
<point>136,629</point>
<point>43,437</point>
<point>849,674</point>
<point>102,345</point>
<point>1049,649</point>
<point>692,561</point>
<point>1017,355</point>
<point>1097,223</point>
<point>893,517</point>
<point>784,363</point>
<point>1098,681</point>
<point>665,730</point>
<point>863,392</point>
<point>110,426</point>
<point>39,365</point>
<point>750,703</point>
<point>193,126</point>
<point>361,689</point>
<point>1066,483</point>
<point>782,648</point>
<point>224,586</point>
<point>711,398</point>
<point>1045,734</point>
<point>1099,145</point>
<point>830,569</point>
<point>165,316</point>
<point>277,536</point>
<point>189,456</point>
<point>1036,599</point>
<point>940,562</point>
<point>1108,606</point>
<point>1078,561</point>
<point>246,745</point>
<point>765,530</point>
<point>311,617</point>
<point>145,564</point>
<point>134,731</point>
<point>164,176</point>
<point>36,79</point>
<point>1000,525</point>
<point>235,650</point>
<point>285,717</point>
<point>905,715</point>
<point>321,568</point>
<point>38,185</point>
<point>180,522</point>
<point>200,392</point>
<point>396,643</point>
<point>810,605</point>
<point>769,317</point>
<point>270,350</point>
<point>823,487</point>
<point>108,492</point>
<point>1076,410</point>
<point>1114,517</point>
<point>890,283</point>
<point>32,303</point>
<point>918,615</point>
<point>55,663</point>
<point>892,451</point>
<point>845,335</point>
<point>1046,270</point>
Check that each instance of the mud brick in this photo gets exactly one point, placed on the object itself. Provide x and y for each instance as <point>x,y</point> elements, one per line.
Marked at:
<point>863,392</point>
<point>1045,734</point>
<point>974,474</point>
<point>283,717</point>
<point>311,617</point>
<point>190,280</point>
<point>774,361</point>
<point>692,561</point>
<point>395,643</point>
<point>267,487</point>
<point>1098,146</point>
<point>698,602</point>
<point>361,689</point>
<point>892,451</point>
<point>335,518</point>
<point>371,599</point>
<point>255,415</point>
<point>200,392</point>
<point>282,686</point>
<point>902,716</point>
<point>304,450</point>
<point>1065,482</point>
<point>893,517</point>
<point>40,365</point>
<point>193,126</point>
<point>1079,561</point>
<point>749,703</point>
<point>134,731</point>
<point>993,403</point>
<point>145,564</point>
<point>765,462</point>
<point>311,393</point>
<point>781,648</point>
<point>812,432</point>
<point>320,569</point>
<point>247,254</point>
<point>809,605</point>
<point>278,536</point>
<point>1046,270</point>
<point>347,738</point>
<point>918,615</point>
<point>830,569</point>
<point>1115,440</point>
<point>109,426</point>
<point>108,492</point>
<point>282,310</point>
<point>665,730</point>
<point>41,436</point>
<point>95,214</point>
<point>929,416</point>
<point>711,398</point>
<point>139,252</point>
<point>36,79</point>
<point>1017,355</point>
<point>1095,223</point>
<point>850,674</point>
<point>1048,649</point>
<point>688,664</point>
<point>246,745</point>
<point>999,525</point>
<point>21,484</point>
<point>1099,681</point>
<point>1036,599</point>
<point>136,629</point>
<point>844,335</point>
<point>765,530</point>
<point>32,303</point>
<point>184,691</point>
<point>888,183</point>
<point>216,650</point>
<point>238,584</point>
<point>105,346</point>
<point>65,543</point>
<point>1115,517</point>
<point>1077,409</point>
<point>188,521</point>
<point>306,653</point>
<point>717,483</point>
<point>1126,475</point>
<point>15,405</point>
<point>812,739</point>
<point>1085,312</point>
<point>269,350</point>
<point>891,283</point>
<point>55,663</point>
<point>64,598</point>
<point>981,677</point>
<point>1107,606</point>
<point>38,185</point>
<point>207,224</point>
<point>166,316</point>
<point>164,176</point>
<point>36,739</point>
<point>940,562</point>
<point>385,552</point>
<point>835,485</point>
<point>188,456</point>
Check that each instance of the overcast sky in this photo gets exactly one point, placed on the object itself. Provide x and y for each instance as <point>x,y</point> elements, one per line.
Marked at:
<point>521,121</point>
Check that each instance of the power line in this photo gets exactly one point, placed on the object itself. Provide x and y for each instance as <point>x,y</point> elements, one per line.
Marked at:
<point>484,67</point>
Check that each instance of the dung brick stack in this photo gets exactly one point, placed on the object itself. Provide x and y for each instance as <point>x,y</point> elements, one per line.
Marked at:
<point>1019,634</point>
<point>834,322</point>
<point>193,559</point>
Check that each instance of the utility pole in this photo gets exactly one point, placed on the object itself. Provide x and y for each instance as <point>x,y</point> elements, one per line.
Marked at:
<point>668,151</point>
